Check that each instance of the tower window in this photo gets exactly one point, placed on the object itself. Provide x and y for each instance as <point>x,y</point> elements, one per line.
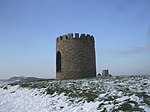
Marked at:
<point>58,62</point>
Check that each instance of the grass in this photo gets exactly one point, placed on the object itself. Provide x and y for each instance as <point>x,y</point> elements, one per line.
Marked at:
<point>90,89</point>
<point>74,94</point>
<point>51,91</point>
<point>127,107</point>
<point>145,97</point>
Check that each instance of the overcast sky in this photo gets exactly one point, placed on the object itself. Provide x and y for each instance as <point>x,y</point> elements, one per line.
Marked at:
<point>28,31</point>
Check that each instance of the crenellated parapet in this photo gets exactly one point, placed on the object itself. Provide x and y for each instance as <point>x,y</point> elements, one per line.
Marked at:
<point>75,36</point>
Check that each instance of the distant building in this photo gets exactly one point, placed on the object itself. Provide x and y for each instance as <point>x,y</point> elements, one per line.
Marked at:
<point>105,73</point>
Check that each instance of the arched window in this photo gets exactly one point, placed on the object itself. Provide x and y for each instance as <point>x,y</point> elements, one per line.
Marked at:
<point>58,62</point>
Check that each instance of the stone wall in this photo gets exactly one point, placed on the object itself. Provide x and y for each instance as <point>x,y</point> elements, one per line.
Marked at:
<point>77,56</point>
<point>105,73</point>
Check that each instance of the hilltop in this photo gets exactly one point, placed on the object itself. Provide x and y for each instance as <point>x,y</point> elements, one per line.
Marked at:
<point>124,93</point>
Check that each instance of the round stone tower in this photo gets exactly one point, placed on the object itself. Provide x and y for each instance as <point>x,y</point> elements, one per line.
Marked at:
<point>75,56</point>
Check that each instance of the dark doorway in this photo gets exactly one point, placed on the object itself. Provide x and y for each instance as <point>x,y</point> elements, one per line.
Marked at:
<point>58,62</point>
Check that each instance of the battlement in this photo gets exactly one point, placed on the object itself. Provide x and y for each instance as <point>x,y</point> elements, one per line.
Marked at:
<point>75,36</point>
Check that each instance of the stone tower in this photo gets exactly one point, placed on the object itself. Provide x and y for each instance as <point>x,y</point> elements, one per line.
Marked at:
<point>105,73</point>
<point>75,56</point>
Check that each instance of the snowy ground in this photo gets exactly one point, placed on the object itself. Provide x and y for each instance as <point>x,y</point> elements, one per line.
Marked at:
<point>86,95</point>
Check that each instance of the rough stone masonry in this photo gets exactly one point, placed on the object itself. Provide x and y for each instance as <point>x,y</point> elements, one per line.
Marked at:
<point>75,56</point>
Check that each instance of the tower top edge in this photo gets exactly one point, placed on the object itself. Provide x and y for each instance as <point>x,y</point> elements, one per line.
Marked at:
<point>81,36</point>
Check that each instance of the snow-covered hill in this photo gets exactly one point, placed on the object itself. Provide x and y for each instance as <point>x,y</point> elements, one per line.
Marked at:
<point>85,95</point>
<point>22,79</point>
